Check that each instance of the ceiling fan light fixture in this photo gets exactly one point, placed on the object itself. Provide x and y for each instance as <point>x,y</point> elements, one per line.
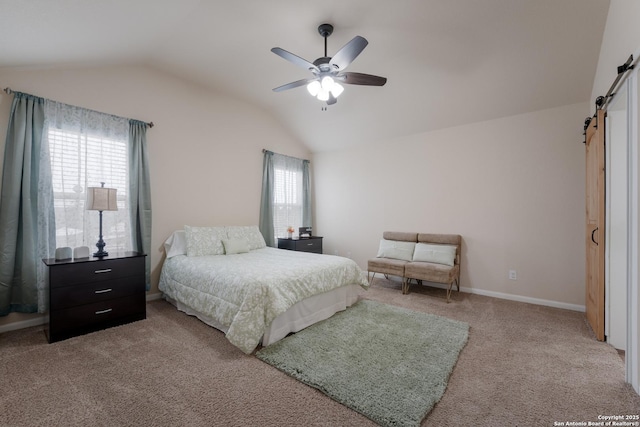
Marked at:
<point>336,90</point>
<point>323,95</point>
<point>327,83</point>
<point>314,87</point>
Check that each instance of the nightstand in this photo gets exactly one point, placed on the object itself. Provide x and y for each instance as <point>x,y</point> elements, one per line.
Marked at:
<point>305,244</point>
<point>90,294</point>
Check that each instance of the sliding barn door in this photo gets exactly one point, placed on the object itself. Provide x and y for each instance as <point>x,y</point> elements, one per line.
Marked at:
<point>595,210</point>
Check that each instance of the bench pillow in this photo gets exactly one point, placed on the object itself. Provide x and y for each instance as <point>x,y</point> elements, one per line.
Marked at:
<point>437,254</point>
<point>396,250</point>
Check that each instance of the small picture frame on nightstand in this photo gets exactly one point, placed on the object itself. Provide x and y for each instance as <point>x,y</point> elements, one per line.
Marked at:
<point>304,232</point>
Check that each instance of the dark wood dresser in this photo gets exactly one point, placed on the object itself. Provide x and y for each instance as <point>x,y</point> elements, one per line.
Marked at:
<point>305,244</point>
<point>89,294</point>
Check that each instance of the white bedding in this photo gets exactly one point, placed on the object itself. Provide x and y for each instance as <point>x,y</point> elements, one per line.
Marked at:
<point>244,293</point>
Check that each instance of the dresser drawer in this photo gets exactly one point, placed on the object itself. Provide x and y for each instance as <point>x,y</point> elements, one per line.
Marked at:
<point>84,272</point>
<point>89,317</point>
<point>87,293</point>
<point>311,245</point>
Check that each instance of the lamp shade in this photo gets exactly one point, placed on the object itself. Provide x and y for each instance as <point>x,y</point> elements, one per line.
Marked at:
<point>102,199</point>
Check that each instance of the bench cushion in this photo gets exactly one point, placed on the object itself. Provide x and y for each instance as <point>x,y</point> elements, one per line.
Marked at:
<point>395,267</point>
<point>431,272</point>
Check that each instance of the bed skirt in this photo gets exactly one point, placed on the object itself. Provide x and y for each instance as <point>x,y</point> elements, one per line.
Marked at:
<point>302,314</point>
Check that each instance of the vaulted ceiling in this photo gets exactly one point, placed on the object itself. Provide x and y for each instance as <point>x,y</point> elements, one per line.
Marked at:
<point>448,62</point>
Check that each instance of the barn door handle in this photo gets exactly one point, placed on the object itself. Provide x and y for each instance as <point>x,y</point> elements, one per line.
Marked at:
<point>592,233</point>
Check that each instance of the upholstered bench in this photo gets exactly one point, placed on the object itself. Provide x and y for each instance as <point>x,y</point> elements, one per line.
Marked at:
<point>419,256</point>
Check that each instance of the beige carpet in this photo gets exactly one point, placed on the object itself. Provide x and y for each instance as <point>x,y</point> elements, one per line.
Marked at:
<point>523,365</point>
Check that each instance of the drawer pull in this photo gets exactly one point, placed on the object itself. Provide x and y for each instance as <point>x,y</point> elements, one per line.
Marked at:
<point>103,291</point>
<point>106,270</point>
<point>309,244</point>
<point>104,311</point>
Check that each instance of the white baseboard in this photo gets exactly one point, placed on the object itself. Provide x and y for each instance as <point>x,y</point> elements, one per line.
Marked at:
<point>36,321</point>
<point>530,300</point>
<point>153,297</point>
<point>511,297</point>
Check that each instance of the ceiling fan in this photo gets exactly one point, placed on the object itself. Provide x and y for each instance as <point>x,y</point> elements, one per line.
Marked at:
<point>328,72</point>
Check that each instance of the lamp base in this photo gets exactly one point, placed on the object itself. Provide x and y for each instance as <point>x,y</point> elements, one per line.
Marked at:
<point>101,243</point>
<point>101,254</point>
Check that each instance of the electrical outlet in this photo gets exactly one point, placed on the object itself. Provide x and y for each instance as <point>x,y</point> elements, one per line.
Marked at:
<point>513,275</point>
<point>348,254</point>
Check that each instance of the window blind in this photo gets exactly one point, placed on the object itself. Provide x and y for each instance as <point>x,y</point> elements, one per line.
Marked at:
<point>287,206</point>
<point>80,160</point>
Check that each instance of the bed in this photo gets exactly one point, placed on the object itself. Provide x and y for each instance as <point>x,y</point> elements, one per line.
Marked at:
<point>230,279</point>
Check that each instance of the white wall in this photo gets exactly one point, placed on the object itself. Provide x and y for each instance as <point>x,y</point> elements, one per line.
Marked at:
<point>621,38</point>
<point>513,188</point>
<point>205,149</point>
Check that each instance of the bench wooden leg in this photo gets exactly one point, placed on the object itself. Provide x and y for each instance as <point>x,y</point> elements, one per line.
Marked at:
<point>450,288</point>
<point>405,286</point>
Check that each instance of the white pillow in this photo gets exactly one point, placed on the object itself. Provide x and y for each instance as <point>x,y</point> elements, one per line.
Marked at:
<point>438,254</point>
<point>235,246</point>
<point>396,249</point>
<point>176,244</point>
<point>250,233</point>
<point>204,240</point>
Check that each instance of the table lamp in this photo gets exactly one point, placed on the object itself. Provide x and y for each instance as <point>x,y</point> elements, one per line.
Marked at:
<point>101,199</point>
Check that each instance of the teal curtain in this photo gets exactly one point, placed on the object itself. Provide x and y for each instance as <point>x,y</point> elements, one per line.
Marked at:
<point>266,201</point>
<point>306,195</point>
<point>140,192</point>
<point>27,222</point>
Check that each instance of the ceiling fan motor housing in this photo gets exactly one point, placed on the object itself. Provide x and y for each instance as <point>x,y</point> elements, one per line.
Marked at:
<point>323,63</point>
<point>325,30</point>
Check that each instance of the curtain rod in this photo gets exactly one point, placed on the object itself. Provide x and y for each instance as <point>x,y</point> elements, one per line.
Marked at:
<point>264,150</point>
<point>9,91</point>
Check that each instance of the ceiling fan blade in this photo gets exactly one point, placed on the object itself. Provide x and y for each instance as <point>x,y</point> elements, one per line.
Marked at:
<point>349,52</point>
<point>291,85</point>
<point>361,79</point>
<point>295,59</point>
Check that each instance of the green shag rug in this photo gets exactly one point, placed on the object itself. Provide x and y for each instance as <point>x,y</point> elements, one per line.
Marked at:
<point>388,363</point>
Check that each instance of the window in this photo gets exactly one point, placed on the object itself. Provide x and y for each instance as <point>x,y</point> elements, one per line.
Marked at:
<point>80,160</point>
<point>286,198</point>
<point>287,203</point>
